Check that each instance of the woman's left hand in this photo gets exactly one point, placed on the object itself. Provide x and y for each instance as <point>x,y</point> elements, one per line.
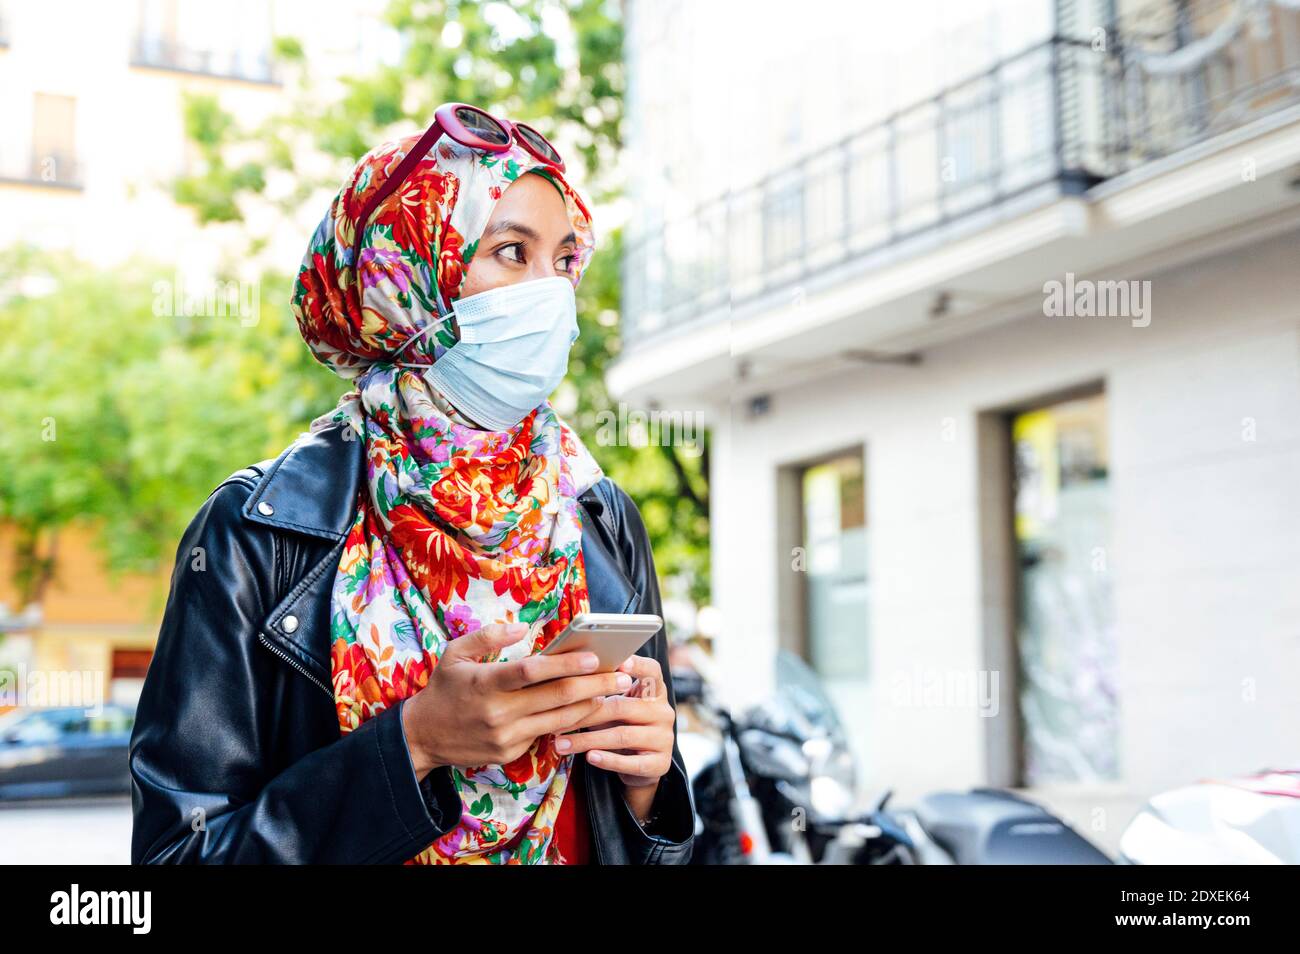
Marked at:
<point>631,734</point>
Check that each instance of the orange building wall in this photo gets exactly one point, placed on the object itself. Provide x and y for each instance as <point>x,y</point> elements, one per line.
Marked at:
<point>86,613</point>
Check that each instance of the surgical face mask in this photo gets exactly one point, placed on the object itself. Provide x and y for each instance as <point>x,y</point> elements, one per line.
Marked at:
<point>512,353</point>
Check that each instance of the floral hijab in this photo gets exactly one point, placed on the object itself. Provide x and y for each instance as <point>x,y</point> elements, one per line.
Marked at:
<point>455,527</point>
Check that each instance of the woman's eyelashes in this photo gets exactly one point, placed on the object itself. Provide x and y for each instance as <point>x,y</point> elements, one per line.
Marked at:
<point>520,256</point>
<point>519,246</point>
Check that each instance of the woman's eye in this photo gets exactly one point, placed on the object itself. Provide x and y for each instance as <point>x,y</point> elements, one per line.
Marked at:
<point>516,245</point>
<point>568,261</point>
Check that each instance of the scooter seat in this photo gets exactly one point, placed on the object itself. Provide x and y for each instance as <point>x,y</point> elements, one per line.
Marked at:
<point>991,827</point>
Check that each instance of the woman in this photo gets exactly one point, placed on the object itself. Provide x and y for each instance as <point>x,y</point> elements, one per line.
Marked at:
<point>411,554</point>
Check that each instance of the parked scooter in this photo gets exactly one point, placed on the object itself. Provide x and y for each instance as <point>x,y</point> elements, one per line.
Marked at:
<point>1248,820</point>
<point>987,826</point>
<point>776,786</point>
<point>770,787</point>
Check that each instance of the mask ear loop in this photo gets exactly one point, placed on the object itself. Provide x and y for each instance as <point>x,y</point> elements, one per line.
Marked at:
<point>407,343</point>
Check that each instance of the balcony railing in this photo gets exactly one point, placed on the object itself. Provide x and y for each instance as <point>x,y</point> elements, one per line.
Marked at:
<point>1187,71</point>
<point>1056,119</point>
<point>58,170</point>
<point>163,53</point>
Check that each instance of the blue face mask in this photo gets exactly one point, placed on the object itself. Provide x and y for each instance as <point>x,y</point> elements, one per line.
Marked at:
<point>512,353</point>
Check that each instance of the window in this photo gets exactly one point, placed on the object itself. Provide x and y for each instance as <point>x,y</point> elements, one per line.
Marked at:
<point>1065,634</point>
<point>229,40</point>
<point>39,728</point>
<point>54,124</point>
<point>834,532</point>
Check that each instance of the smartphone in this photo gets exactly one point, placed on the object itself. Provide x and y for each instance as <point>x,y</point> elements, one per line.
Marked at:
<point>613,637</point>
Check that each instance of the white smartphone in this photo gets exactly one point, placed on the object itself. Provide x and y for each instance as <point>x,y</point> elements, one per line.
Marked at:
<point>613,637</point>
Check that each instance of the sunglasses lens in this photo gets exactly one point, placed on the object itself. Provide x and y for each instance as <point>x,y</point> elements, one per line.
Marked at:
<point>537,143</point>
<point>483,125</point>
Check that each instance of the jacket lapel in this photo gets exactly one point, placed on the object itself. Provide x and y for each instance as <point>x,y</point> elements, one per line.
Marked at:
<point>608,587</point>
<point>311,489</point>
<point>312,486</point>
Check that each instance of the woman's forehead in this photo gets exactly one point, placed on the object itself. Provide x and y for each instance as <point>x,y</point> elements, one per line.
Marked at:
<point>531,204</point>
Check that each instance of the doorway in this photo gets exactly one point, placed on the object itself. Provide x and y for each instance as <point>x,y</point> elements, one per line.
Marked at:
<point>1065,636</point>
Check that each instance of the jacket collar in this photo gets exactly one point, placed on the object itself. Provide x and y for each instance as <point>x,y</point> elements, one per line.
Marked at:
<point>311,488</point>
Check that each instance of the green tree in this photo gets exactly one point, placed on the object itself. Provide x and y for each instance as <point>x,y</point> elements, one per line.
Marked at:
<point>122,411</point>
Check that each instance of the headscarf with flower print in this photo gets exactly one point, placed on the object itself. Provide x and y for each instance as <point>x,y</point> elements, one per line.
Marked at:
<point>455,527</point>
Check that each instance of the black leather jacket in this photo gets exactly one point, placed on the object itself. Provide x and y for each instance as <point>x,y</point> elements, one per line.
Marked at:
<point>236,754</point>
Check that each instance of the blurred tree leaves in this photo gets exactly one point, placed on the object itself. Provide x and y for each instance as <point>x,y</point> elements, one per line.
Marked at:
<point>125,412</point>
<point>500,55</point>
<point>213,188</point>
<point>668,481</point>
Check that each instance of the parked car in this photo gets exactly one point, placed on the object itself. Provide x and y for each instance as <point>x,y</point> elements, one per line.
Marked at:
<point>1239,820</point>
<point>50,752</point>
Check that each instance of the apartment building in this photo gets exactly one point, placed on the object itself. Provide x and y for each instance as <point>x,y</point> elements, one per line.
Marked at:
<point>994,311</point>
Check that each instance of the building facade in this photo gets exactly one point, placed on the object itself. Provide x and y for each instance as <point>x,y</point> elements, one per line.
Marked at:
<point>994,311</point>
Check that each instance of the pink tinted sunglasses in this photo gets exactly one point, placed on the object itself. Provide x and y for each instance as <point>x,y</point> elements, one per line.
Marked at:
<point>469,126</point>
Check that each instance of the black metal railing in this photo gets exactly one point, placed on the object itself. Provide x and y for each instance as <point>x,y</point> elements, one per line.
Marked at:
<point>57,169</point>
<point>1183,72</point>
<point>973,146</point>
<point>164,53</point>
<point>1059,117</point>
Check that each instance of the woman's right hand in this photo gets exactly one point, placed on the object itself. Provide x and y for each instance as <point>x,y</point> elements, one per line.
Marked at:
<point>476,713</point>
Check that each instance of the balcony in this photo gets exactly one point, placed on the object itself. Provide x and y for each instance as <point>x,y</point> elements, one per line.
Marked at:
<point>55,170</point>
<point>1056,120</point>
<point>166,53</point>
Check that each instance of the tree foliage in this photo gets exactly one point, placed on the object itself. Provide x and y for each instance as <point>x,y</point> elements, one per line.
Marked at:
<point>123,411</point>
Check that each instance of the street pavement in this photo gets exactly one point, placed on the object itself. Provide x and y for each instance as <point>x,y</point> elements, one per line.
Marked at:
<point>66,831</point>
<point>98,830</point>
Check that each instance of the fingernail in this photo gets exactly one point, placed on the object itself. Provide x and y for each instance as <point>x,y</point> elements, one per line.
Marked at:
<point>563,745</point>
<point>624,681</point>
<point>590,661</point>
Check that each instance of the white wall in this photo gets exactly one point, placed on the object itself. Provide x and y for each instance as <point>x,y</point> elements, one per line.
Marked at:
<point>1206,524</point>
<point>130,139</point>
<point>130,134</point>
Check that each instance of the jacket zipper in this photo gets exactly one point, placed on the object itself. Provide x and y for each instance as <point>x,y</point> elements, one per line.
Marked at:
<point>294,663</point>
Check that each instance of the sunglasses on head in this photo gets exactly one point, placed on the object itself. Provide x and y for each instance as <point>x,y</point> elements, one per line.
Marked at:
<point>469,126</point>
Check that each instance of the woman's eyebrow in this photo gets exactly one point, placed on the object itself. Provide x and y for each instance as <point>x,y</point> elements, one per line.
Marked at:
<point>507,225</point>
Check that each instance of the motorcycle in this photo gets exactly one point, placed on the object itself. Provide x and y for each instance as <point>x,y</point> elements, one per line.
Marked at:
<point>772,786</point>
<point>776,786</point>
<point>988,826</point>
